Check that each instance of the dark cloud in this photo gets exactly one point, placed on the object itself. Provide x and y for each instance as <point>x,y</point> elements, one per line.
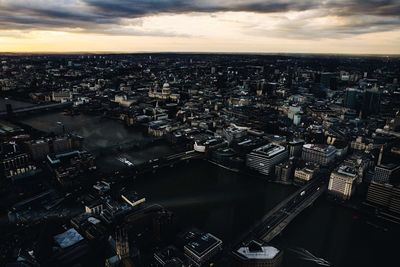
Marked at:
<point>16,15</point>
<point>103,15</point>
<point>365,7</point>
<point>138,8</point>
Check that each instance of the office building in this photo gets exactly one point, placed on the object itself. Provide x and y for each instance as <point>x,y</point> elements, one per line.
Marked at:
<point>371,102</point>
<point>39,149</point>
<point>95,206</point>
<point>292,111</point>
<point>90,226</point>
<point>264,159</point>
<point>394,205</point>
<point>233,133</point>
<point>61,144</point>
<point>70,249</point>
<point>361,162</point>
<point>209,144</point>
<point>385,197</point>
<point>353,98</point>
<point>213,70</point>
<point>68,238</point>
<point>61,96</point>
<point>284,172</point>
<point>320,154</point>
<point>295,148</point>
<point>169,256</point>
<point>306,173</point>
<point>256,254</point>
<point>379,193</point>
<point>248,144</point>
<point>227,157</point>
<point>328,81</point>
<point>200,247</point>
<point>342,182</point>
<point>362,144</point>
<point>386,173</point>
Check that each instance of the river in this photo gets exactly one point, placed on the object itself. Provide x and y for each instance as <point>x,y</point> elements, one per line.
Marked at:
<point>226,203</point>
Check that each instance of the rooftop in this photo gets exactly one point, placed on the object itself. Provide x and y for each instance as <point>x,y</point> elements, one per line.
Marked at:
<point>347,170</point>
<point>270,150</point>
<point>320,148</point>
<point>255,250</point>
<point>199,242</point>
<point>389,166</point>
<point>68,238</point>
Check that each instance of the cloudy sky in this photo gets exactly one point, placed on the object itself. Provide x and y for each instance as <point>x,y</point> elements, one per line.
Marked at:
<point>316,26</point>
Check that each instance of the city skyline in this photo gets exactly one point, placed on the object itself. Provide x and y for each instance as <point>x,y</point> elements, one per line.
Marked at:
<point>178,159</point>
<point>340,27</point>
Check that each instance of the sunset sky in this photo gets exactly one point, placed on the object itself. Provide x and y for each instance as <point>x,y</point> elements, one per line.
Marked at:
<point>331,26</point>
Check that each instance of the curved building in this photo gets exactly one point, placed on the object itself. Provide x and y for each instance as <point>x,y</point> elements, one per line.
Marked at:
<point>264,159</point>
<point>255,254</point>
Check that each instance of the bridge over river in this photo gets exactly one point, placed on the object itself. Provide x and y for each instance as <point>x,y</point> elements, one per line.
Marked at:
<point>279,217</point>
<point>36,109</point>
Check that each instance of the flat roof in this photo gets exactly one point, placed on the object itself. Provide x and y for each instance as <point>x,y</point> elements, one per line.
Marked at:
<point>320,148</point>
<point>199,243</point>
<point>389,166</point>
<point>266,252</point>
<point>347,170</point>
<point>68,238</point>
<point>168,254</point>
<point>270,149</point>
<point>296,141</point>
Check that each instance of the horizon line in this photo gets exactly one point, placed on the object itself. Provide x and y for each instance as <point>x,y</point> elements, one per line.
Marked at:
<point>197,52</point>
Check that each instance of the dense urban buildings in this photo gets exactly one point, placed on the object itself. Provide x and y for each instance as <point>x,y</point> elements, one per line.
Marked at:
<point>321,154</point>
<point>265,158</point>
<point>199,160</point>
<point>199,133</point>
<point>342,181</point>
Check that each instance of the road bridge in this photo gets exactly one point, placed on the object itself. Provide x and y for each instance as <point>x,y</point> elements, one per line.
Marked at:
<point>37,108</point>
<point>279,217</point>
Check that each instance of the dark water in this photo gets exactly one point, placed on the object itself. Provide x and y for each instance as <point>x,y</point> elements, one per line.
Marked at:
<point>101,133</point>
<point>98,132</point>
<point>226,203</point>
<point>205,196</point>
<point>342,236</point>
<point>14,103</point>
<point>110,163</point>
